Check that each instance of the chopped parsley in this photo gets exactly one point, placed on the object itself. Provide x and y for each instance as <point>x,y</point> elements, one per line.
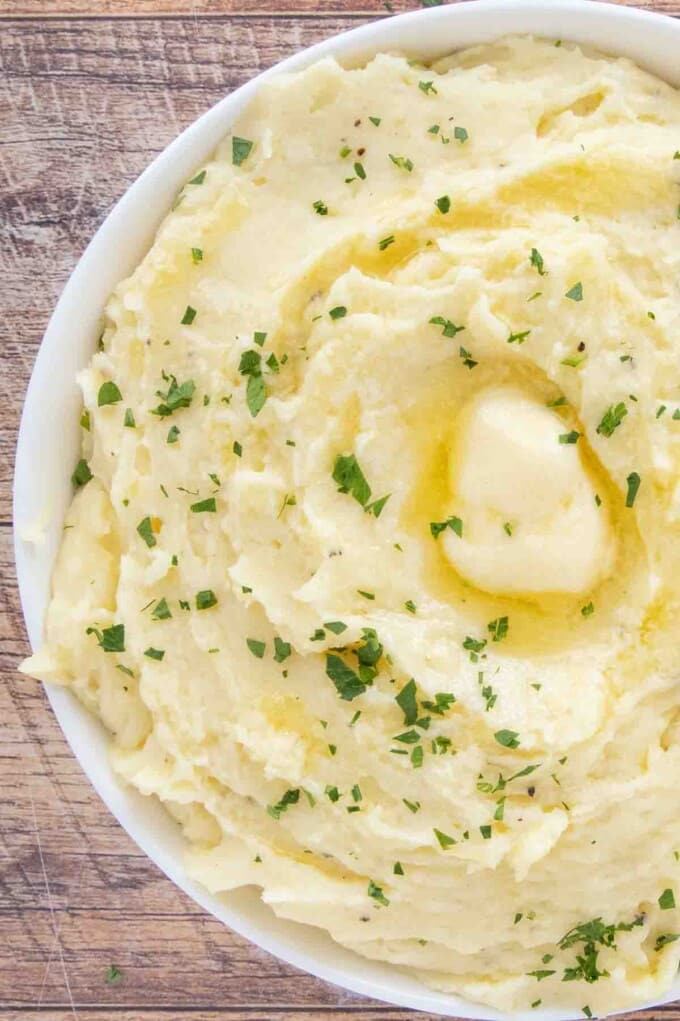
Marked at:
<point>240,150</point>
<point>256,394</point>
<point>145,530</point>
<point>129,419</point>
<point>81,474</point>
<point>536,260</point>
<point>573,361</point>
<point>460,134</point>
<point>199,178</point>
<point>474,646</point>
<point>443,839</point>
<point>189,316</point>
<point>386,242</point>
<point>161,610</point>
<point>196,255</point>
<point>667,900</point>
<point>507,738</point>
<point>250,365</point>
<point>443,700</point>
<point>282,650</point>
<point>449,329</point>
<point>592,935</point>
<point>467,358</point>
<point>588,610</point>
<point>291,797</point>
<point>570,437</point>
<point>377,894</point>
<point>375,120</point>
<point>203,506</point>
<point>410,606</point>
<point>350,478</point>
<point>499,628</point>
<point>633,482</point>
<point>665,939</point>
<point>443,204</point>
<point>454,523</point>
<point>518,338</point>
<point>178,395</point>
<point>108,394</point>
<point>427,88</point>
<point>256,647</point>
<point>347,683</point>
<point>612,418</point>
<point>336,626</point>
<point>575,292</point>
<point>205,599</point>
<point>110,639</point>
<point>408,703</point>
<point>403,162</point>
<point>154,653</point>
<point>320,207</point>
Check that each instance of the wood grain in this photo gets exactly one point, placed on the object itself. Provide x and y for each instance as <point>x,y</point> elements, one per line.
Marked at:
<point>90,91</point>
<point>256,8</point>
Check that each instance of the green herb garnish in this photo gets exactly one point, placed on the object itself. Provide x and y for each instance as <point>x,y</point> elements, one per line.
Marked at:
<point>240,150</point>
<point>108,394</point>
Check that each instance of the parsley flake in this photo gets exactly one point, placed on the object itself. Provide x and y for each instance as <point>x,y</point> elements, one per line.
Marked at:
<point>507,738</point>
<point>443,839</point>
<point>403,162</point>
<point>377,894</point>
<point>205,599</point>
<point>110,639</point>
<point>240,150</point>
<point>449,329</point>
<point>454,523</point>
<point>145,530</point>
<point>518,338</point>
<point>575,292</point>
<point>203,506</point>
<point>612,419</point>
<point>256,647</point>
<point>667,900</point>
<point>108,394</point>
<point>81,474</point>
<point>177,396</point>
<point>633,482</point>
<point>536,260</point>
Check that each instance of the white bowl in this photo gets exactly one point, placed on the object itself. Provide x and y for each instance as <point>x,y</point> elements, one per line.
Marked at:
<point>49,436</point>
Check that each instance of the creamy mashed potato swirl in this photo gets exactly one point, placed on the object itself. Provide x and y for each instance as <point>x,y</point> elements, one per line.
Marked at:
<point>372,570</point>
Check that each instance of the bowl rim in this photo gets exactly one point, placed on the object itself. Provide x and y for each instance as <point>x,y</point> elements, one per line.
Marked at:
<point>577,20</point>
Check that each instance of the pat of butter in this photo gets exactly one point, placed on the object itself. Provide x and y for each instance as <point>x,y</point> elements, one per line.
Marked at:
<point>530,520</point>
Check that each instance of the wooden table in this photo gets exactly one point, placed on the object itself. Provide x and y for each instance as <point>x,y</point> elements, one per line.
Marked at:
<point>91,91</point>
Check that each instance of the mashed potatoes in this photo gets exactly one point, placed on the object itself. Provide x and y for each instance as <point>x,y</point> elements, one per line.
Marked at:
<point>373,567</point>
